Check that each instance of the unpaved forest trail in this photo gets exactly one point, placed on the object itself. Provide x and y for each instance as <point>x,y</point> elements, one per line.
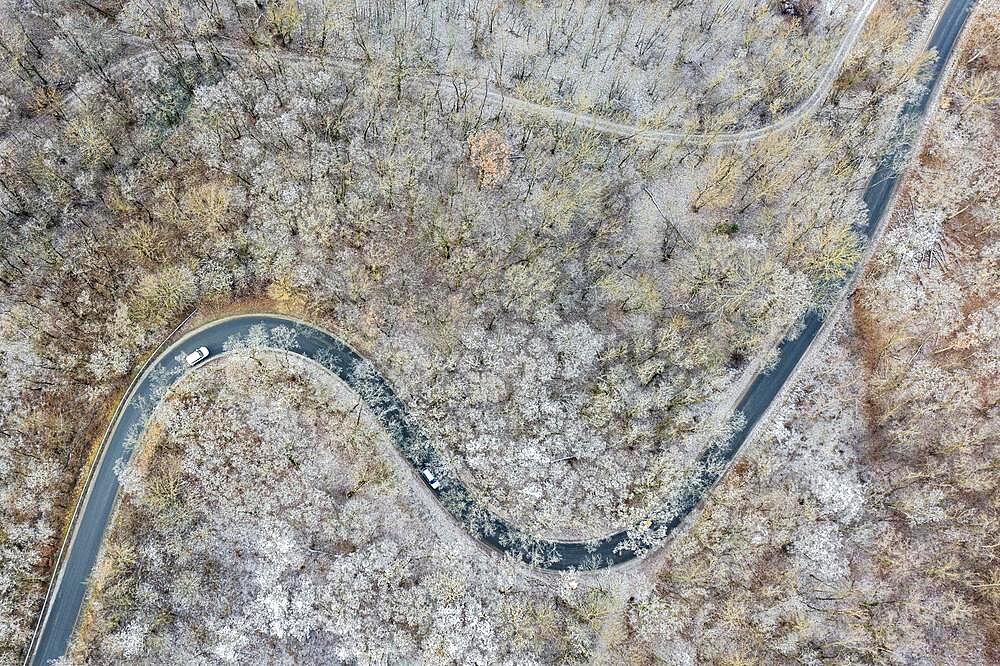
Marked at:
<point>479,90</point>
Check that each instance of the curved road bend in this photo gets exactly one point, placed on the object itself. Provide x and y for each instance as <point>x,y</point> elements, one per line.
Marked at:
<point>66,595</point>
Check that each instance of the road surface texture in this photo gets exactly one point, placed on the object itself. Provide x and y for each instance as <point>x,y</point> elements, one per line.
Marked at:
<point>66,593</point>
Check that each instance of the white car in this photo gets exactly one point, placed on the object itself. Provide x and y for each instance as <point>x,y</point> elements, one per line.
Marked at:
<point>431,479</point>
<point>197,356</point>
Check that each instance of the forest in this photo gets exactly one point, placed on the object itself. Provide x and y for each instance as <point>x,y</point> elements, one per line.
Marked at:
<point>664,63</point>
<point>568,313</point>
<point>264,521</point>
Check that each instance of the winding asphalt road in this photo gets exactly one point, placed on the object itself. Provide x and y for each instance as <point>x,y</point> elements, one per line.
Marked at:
<point>66,593</point>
